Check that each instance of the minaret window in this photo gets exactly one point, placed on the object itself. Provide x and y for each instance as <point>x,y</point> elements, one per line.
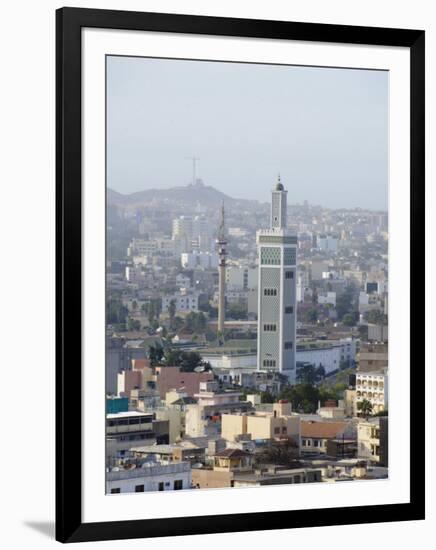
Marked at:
<point>270,255</point>
<point>270,292</point>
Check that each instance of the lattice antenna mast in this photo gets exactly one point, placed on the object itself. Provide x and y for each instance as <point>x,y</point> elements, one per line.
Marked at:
<point>222,228</point>
<point>222,261</point>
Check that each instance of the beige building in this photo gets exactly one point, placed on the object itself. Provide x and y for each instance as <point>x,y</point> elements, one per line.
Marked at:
<point>368,438</point>
<point>226,464</point>
<point>373,357</point>
<point>350,402</point>
<point>174,417</point>
<point>315,435</point>
<point>278,423</point>
<point>373,387</point>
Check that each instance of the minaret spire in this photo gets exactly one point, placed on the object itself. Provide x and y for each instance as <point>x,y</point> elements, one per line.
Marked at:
<point>222,262</point>
<point>278,205</point>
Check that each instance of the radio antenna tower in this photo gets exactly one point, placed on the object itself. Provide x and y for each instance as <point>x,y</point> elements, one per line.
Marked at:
<point>194,168</point>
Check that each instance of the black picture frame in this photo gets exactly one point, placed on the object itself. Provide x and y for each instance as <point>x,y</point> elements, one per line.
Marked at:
<point>69,22</point>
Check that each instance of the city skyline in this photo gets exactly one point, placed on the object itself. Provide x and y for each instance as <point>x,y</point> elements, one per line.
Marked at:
<point>325,130</point>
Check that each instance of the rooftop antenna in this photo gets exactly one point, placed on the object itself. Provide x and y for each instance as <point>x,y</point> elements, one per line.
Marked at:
<point>194,168</point>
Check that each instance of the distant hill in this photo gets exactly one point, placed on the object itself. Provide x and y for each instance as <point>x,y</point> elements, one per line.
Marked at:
<point>189,196</point>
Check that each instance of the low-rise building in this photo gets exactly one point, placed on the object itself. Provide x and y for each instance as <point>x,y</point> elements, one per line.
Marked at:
<point>173,378</point>
<point>127,429</point>
<point>204,418</point>
<point>263,425</point>
<point>184,451</point>
<point>277,476</point>
<point>315,434</point>
<point>149,477</point>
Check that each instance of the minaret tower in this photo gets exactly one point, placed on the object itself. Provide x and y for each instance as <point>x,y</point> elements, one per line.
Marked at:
<point>222,254</point>
<point>277,247</point>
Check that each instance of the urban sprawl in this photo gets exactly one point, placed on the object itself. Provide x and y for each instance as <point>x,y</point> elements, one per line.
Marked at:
<point>246,343</point>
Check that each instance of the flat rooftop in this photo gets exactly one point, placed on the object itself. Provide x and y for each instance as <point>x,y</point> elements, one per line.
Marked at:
<point>127,414</point>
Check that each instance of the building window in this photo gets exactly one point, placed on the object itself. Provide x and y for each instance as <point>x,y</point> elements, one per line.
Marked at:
<point>115,490</point>
<point>139,488</point>
<point>289,275</point>
<point>161,486</point>
<point>276,430</point>
<point>288,345</point>
<point>178,484</point>
<point>289,256</point>
<point>270,255</point>
<point>270,292</point>
<point>270,327</point>
<point>289,309</point>
<point>284,430</point>
<point>269,362</point>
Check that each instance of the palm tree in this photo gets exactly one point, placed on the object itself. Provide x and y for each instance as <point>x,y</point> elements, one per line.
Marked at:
<point>365,407</point>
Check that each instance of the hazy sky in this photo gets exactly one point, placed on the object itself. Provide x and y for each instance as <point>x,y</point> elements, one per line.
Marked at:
<point>324,130</point>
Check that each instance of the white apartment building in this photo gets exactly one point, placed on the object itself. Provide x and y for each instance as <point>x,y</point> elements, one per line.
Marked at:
<point>185,301</point>
<point>327,298</point>
<point>205,260</point>
<point>134,274</point>
<point>327,243</point>
<point>328,354</point>
<point>183,281</point>
<point>141,247</point>
<point>372,386</point>
<point>192,233</point>
<point>150,477</point>
<point>241,278</point>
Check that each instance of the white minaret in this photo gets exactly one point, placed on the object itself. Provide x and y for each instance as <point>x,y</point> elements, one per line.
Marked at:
<point>277,248</point>
<point>222,253</point>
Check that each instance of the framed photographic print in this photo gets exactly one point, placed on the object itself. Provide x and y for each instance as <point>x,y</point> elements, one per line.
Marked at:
<point>240,244</point>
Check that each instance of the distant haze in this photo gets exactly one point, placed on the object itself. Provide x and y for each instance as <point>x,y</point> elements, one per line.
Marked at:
<point>325,130</point>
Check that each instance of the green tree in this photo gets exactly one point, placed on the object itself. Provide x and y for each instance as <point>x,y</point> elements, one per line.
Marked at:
<point>236,311</point>
<point>172,312</point>
<point>155,354</point>
<point>133,324</point>
<point>312,315</point>
<point>365,407</point>
<point>351,319</point>
<point>116,312</point>
<point>374,316</point>
<point>309,374</point>
<point>345,302</point>
<point>304,397</point>
<point>196,322</point>
<point>186,360</point>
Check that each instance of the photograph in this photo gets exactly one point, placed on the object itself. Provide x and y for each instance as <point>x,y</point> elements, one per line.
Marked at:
<point>247,274</point>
